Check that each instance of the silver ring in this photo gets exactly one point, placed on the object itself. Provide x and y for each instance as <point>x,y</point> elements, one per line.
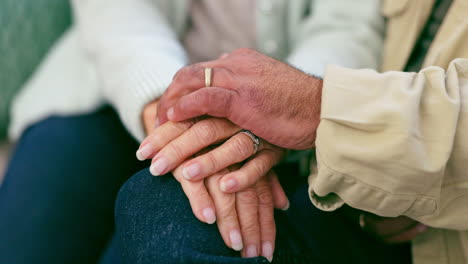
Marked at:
<point>255,139</point>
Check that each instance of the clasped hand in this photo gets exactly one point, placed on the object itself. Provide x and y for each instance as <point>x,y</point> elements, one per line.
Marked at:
<point>224,180</point>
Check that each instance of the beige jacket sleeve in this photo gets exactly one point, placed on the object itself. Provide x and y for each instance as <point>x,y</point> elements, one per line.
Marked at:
<point>395,144</point>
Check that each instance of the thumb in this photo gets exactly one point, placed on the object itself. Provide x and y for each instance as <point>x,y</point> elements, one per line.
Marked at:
<point>161,111</point>
<point>211,101</point>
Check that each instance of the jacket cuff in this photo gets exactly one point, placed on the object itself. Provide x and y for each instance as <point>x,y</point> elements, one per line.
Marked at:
<point>330,189</point>
<point>360,160</point>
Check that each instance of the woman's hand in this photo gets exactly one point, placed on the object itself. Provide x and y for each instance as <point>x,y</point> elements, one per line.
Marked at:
<point>149,116</point>
<point>173,143</point>
<point>254,225</point>
<point>245,219</point>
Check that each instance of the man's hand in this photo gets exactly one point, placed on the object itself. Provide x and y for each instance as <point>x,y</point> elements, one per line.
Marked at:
<point>391,230</point>
<point>272,99</point>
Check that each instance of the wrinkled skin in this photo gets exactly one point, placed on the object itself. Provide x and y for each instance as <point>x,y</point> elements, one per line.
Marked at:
<point>274,100</point>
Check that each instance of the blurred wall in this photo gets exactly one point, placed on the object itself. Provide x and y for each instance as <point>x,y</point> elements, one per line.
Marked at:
<point>28,28</point>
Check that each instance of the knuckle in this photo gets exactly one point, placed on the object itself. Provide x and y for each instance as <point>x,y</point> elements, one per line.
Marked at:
<point>250,227</point>
<point>183,126</point>
<point>154,142</point>
<point>248,197</point>
<point>155,139</point>
<point>262,165</point>
<point>197,191</point>
<point>206,131</point>
<point>175,151</point>
<point>180,75</point>
<point>242,147</point>
<point>265,197</point>
<point>210,161</point>
<point>212,183</point>
<point>186,73</point>
<point>227,211</point>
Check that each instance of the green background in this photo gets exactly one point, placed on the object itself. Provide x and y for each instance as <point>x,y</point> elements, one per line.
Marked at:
<point>28,28</point>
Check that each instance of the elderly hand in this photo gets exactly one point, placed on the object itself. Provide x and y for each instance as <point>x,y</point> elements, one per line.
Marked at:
<point>391,230</point>
<point>173,143</point>
<point>272,99</point>
<point>243,218</point>
<point>149,116</point>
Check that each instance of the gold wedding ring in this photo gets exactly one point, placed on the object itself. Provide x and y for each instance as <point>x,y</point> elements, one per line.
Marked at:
<point>208,72</point>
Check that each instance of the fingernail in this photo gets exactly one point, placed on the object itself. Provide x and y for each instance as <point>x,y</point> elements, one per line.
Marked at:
<point>421,228</point>
<point>228,185</point>
<point>236,240</point>
<point>191,171</point>
<point>159,166</point>
<point>267,251</point>
<point>209,215</point>
<point>286,207</point>
<point>170,113</point>
<point>251,251</point>
<point>144,151</point>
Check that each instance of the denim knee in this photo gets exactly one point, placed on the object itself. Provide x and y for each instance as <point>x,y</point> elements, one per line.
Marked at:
<point>155,224</point>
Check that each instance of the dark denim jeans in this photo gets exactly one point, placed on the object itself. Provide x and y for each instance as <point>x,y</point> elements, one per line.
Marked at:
<point>155,225</point>
<point>57,203</point>
<point>57,198</point>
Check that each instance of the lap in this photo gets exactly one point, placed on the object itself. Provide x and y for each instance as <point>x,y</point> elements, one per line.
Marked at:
<point>56,201</point>
<point>155,222</point>
<point>156,225</point>
<point>330,237</point>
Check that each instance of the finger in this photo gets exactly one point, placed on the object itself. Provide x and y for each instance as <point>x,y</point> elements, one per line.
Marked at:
<point>280,199</point>
<point>247,209</point>
<point>383,226</point>
<point>237,149</point>
<point>226,214</point>
<point>160,137</point>
<point>223,56</point>
<point>201,135</point>
<point>188,80</point>
<point>211,101</point>
<point>407,235</point>
<point>266,219</point>
<point>253,170</point>
<point>149,117</point>
<point>200,200</point>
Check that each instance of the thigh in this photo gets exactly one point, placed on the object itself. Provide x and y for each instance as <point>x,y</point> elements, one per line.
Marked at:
<point>56,202</point>
<point>156,225</point>
<point>307,234</point>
